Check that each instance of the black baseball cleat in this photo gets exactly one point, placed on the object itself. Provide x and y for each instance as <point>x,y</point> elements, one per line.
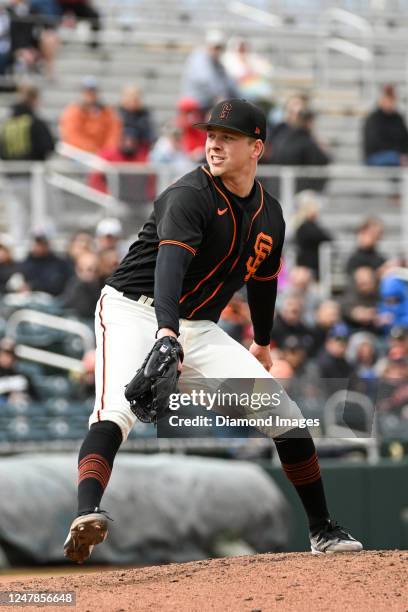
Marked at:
<point>86,531</point>
<point>331,538</point>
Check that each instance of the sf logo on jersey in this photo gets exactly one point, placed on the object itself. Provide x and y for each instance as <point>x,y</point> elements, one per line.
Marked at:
<point>263,246</point>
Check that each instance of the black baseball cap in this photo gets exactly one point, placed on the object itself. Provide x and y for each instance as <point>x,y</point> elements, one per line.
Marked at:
<point>237,115</point>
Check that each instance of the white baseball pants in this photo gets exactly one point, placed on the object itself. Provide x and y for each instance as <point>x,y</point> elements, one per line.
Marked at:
<point>125,332</point>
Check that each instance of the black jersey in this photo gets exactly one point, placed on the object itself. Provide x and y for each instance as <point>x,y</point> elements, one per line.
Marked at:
<point>230,240</point>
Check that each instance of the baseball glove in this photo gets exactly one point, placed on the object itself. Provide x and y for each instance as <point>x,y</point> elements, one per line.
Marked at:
<point>149,390</point>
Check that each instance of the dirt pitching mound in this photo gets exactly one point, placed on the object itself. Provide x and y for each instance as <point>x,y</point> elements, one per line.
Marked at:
<point>373,581</point>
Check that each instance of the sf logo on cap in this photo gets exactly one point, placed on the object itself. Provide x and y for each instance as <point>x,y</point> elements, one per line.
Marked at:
<point>225,111</point>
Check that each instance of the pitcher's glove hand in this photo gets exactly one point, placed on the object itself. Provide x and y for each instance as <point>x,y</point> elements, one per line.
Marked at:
<point>149,390</point>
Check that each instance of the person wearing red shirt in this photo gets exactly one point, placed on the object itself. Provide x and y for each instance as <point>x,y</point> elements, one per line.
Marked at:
<point>129,150</point>
<point>192,139</point>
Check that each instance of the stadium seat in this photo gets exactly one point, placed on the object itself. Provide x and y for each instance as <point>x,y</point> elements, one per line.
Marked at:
<point>53,386</point>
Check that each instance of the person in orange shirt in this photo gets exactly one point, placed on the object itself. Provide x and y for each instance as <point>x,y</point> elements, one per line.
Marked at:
<point>90,124</point>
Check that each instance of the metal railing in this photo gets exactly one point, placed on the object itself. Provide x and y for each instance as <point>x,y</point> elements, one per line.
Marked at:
<point>248,11</point>
<point>341,16</point>
<point>361,52</point>
<point>346,188</point>
<point>50,322</point>
<point>335,429</point>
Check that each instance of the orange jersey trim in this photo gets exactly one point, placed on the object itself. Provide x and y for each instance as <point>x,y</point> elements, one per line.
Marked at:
<point>268,278</point>
<point>186,295</point>
<point>177,243</point>
<point>215,290</point>
<point>205,301</point>
<point>229,252</point>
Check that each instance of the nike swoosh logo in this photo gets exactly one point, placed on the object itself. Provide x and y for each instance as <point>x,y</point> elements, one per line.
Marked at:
<point>222,212</point>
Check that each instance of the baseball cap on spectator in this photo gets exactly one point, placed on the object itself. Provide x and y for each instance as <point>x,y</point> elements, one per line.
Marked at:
<point>42,233</point>
<point>215,38</point>
<point>237,115</point>
<point>187,104</point>
<point>340,331</point>
<point>109,227</point>
<point>399,332</point>
<point>40,237</point>
<point>6,241</point>
<point>89,82</point>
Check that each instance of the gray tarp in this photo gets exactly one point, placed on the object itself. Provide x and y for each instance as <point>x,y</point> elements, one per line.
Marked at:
<point>165,508</point>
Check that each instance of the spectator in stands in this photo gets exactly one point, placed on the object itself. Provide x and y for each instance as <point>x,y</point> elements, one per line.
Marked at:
<point>299,147</point>
<point>333,365</point>
<point>305,381</point>
<point>294,352</point>
<point>385,137</point>
<point>80,242</point>
<point>108,234</point>
<point>288,322</point>
<point>359,305</point>
<point>204,77</point>
<point>83,289</point>
<point>282,123</point>
<point>393,387</point>
<point>86,380</point>
<point>235,318</point>
<point>48,14</point>
<point>5,40</point>
<point>24,135</point>
<point>301,284</point>
<point>129,150</point>
<point>108,261</point>
<point>83,10</point>
<point>393,305</point>
<point>89,124</point>
<point>366,254</point>
<point>393,347</point>
<point>43,270</point>
<point>398,342</point>
<point>136,118</point>
<point>310,233</point>
<point>327,316</point>
<point>15,387</point>
<point>362,355</point>
<point>251,71</point>
<point>8,267</point>
<point>192,139</point>
<point>282,371</point>
<point>168,149</point>
<point>24,36</point>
